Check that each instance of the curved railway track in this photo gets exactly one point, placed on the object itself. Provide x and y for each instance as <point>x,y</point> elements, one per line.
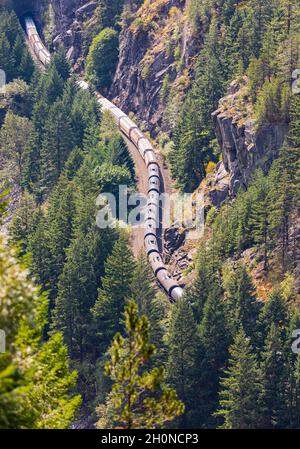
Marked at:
<point>146,151</point>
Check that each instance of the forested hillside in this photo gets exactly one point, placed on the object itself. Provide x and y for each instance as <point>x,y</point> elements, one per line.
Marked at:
<point>92,340</point>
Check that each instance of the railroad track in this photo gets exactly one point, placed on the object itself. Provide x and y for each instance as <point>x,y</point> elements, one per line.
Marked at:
<point>146,151</point>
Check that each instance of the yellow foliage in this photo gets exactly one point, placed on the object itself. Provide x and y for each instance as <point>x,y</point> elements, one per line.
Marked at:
<point>210,167</point>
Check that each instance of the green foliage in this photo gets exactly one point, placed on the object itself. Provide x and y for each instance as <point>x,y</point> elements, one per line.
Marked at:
<point>61,117</point>
<point>272,103</point>
<point>21,225</point>
<point>102,58</point>
<point>109,177</point>
<point>30,368</point>
<point>77,291</point>
<point>215,340</point>
<point>56,145</point>
<point>139,398</point>
<point>144,291</point>
<point>14,135</point>
<point>241,391</point>
<point>240,299</point>
<point>115,291</point>
<point>191,150</point>
<point>109,12</point>
<point>275,373</point>
<point>60,62</point>
<point>14,56</point>
<point>182,365</point>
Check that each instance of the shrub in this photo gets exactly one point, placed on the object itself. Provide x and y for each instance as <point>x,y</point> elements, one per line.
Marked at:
<point>102,58</point>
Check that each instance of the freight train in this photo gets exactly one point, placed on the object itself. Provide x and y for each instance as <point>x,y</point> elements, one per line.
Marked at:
<point>146,151</point>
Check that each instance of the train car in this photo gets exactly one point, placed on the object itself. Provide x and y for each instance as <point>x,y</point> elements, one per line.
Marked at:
<point>169,284</point>
<point>136,135</point>
<point>150,158</point>
<point>151,227</point>
<point>151,245</point>
<point>83,85</point>
<point>126,125</point>
<point>152,213</point>
<point>145,148</point>
<point>153,170</point>
<point>39,49</point>
<point>156,262</point>
<point>154,183</point>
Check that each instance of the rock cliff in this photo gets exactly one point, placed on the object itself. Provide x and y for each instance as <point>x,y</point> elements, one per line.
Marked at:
<point>156,62</point>
<point>244,146</point>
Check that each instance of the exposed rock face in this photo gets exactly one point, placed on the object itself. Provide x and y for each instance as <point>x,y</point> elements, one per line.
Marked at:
<point>152,40</point>
<point>67,24</point>
<point>244,147</point>
<point>174,238</point>
<point>36,7</point>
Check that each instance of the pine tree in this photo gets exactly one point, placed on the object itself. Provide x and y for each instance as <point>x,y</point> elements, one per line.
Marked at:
<point>14,135</point>
<point>240,299</point>
<point>206,278</point>
<point>191,150</point>
<point>60,62</point>
<point>138,399</point>
<point>275,311</point>
<point>35,379</point>
<point>260,214</point>
<point>38,247</point>
<point>274,375</point>
<point>214,340</point>
<point>26,66</point>
<point>241,389</point>
<point>182,365</point>
<point>60,217</point>
<point>56,146</point>
<point>21,225</point>
<point>84,110</point>
<point>116,289</point>
<point>51,86</point>
<point>213,326</point>
<point>77,291</point>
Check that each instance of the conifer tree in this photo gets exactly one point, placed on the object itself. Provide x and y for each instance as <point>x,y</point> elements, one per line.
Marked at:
<point>275,311</point>
<point>206,277</point>
<point>77,291</point>
<point>14,135</point>
<point>182,365</point>
<point>21,225</point>
<point>35,380</point>
<point>241,389</point>
<point>56,146</point>
<point>275,377</point>
<point>260,214</point>
<point>240,299</point>
<point>214,341</point>
<point>38,247</point>
<point>60,62</point>
<point>60,217</point>
<point>116,289</point>
<point>139,398</point>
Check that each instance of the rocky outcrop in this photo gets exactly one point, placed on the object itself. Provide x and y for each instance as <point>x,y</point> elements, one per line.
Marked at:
<point>174,238</point>
<point>156,49</point>
<point>243,145</point>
